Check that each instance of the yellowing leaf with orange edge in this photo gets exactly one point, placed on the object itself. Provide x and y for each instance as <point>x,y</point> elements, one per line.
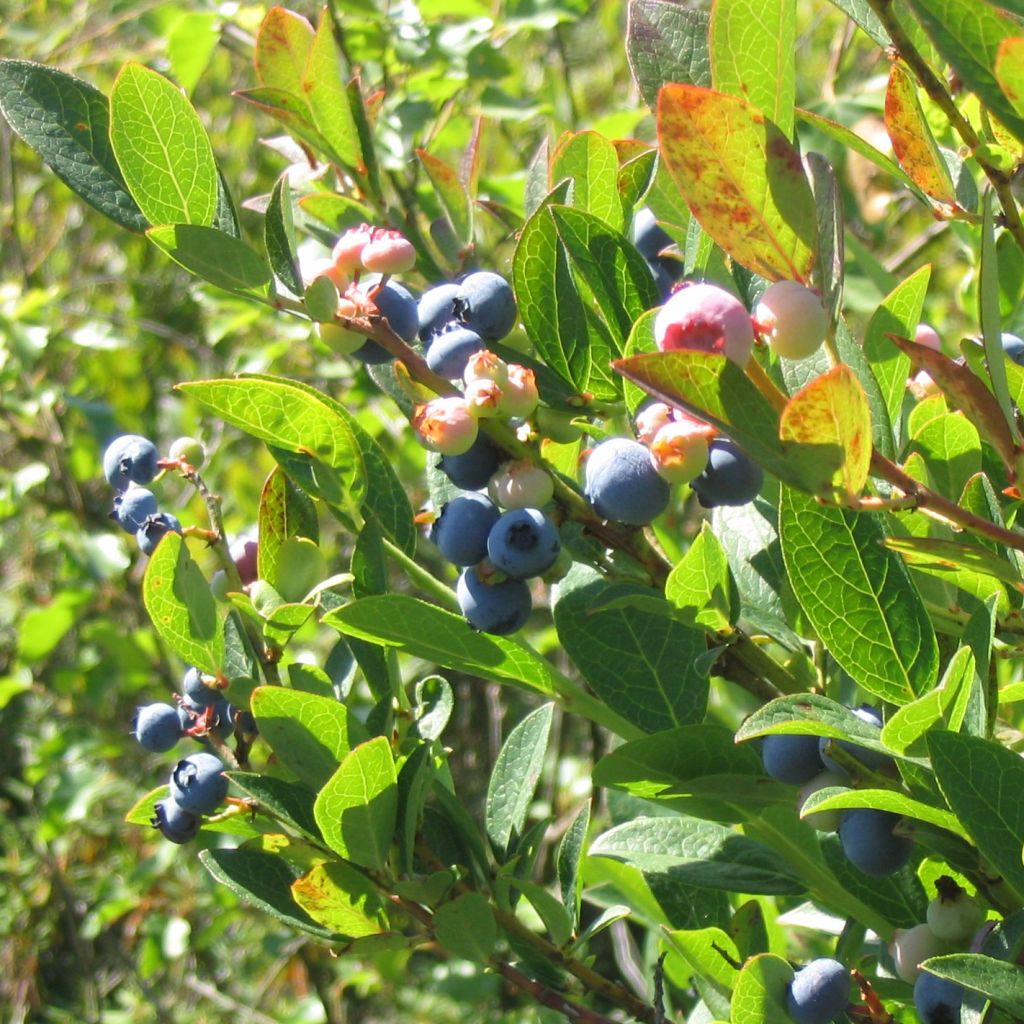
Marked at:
<point>833,410</point>
<point>1009,70</point>
<point>282,49</point>
<point>742,179</point>
<point>912,140</point>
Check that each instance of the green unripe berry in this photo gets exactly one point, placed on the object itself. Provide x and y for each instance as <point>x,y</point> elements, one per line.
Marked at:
<point>189,450</point>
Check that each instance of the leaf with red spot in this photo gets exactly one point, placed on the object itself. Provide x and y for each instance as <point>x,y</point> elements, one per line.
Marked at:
<point>282,49</point>
<point>742,179</point>
<point>912,140</point>
<point>1009,70</point>
<point>964,390</point>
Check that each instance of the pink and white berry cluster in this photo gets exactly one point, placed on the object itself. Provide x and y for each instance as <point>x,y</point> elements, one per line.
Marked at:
<point>678,442</point>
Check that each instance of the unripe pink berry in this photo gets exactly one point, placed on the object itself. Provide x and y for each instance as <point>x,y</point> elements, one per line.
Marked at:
<point>519,396</point>
<point>705,318</point>
<point>484,398</point>
<point>485,365</point>
<point>926,335</point>
<point>324,267</point>
<point>445,425</point>
<point>520,484</point>
<point>680,452</point>
<point>388,252</point>
<point>792,319</point>
<point>650,419</point>
<point>348,250</point>
<point>922,385</point>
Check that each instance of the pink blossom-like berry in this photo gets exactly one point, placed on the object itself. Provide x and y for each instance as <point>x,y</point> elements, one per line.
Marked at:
<point>925,334</point>
<point>922,385</point>
<point>484,398</point>
<point>485,365</point>
<point>519,396</point>
<point>324,267</point>
<point>388,252</point>
<point>520,484</point>
<point>445,425</point>
<point>705,318</point>
<point>348,250</point>
<point>680,451</point>
<point>650,419</point>
<point>792,319</point>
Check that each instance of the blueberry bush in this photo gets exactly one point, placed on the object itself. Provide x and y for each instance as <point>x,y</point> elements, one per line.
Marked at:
<point>552,544</point>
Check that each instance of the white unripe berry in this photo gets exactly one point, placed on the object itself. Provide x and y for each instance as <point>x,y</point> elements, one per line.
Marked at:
<point>792,319</point>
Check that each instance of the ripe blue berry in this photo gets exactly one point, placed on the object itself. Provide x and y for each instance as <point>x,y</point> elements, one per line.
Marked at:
<point>523,543</point>
<point>437,308</point>
<point>198,784</point>
<point>791,758</point>
<point>133,507</point>
<point>473,468</point>
<point>450,350</point>
<point>460,531</point>
<point>174,822</point>
<point>873,759</point>
<point>156,727</point>
<point>151,532</point>
<point>128,459</point>
<point>622,482</point>
<point>397,305</point>
<point>869,843</point>
<point>489,305</point>
<point>197,691</point>
<point>498,608</point>
<point>730,477</point>
<point>1013,347</point>
<point>819,992</point>
<point>937,1000</point>
<point>648,236</point>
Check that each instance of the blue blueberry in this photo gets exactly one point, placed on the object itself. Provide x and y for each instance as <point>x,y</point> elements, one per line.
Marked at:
<point>523,543</point>
<point>460,531</point>
<point>648,236</point>
<point>489,305</point>
<point>791,758</point>
<point>193,687</point>
<point>398,306</point>
<point>498,608</point>
<point>198,784</point>
<point>133,507</point>
<point>937,1000</point>
<point>869,842</point>
<point>156,727</point>
<point>450,350</point>
<point>730,477</point>
<point>174,822</point>
<point>1013,347</point>
<point>438,307</point>
<point>872,759</point>
<point>130,459</point>
<point>819,992</point>
<point>623,484</point>
<point>151,532</point>
<point>475,467</point>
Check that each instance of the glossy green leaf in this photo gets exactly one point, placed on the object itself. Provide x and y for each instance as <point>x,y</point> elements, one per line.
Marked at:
<point>283,44</point>
<point>828,205</point>
<point>292,112</point>
<point>162,149</point>
<point>760,995</point>
<point>997,980</point>
<point>742,180</point>
<point>67,122</point>
<point>635,179</point>
<point>181,606</point>
<point>810,714</point>
<point>710,952</point>
<point>569,861</point>
<point>284,512</point>
<point>590,162</point>
<point>643,665</point>
<point>859,597</point>
<point>338,212</point>
<point>940,555</point>
<point>701,586</point>
<point>1009,70</point>
<point>465,927</point>
<point>287,802</point>
<point>455,200</point>
<point>324,90</point>
<point>666,42</point>
<point>514,779</point>
<point>983,783</point>
<point>357,809</point>
<point>700,853</point>
<point>752,55</point>
<point>308,733</point>
<point>951,449</point>
<point>342,899</point>
<point>432,707</point>
<point>209,253</point>
<point>279,237</point>
<point>882,800</point>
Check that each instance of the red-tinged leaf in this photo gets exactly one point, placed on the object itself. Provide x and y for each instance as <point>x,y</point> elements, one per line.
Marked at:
<point>469,168</point>
<point>1009,70</point>
<point>741,178</point>
<point>963,390</point>
<point>291,110</point>
<point>833,409</point>
<point>912,140</point>
<point>455,200</point>
<point>282,49</point>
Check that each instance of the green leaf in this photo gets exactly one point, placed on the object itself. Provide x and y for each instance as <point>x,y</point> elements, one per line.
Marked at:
<point>466,928</point>
<point>666,42</point>
<point>282,50</point>
<point>643,665</point>
<point>285,512</point>
<point>590,162</point>
<point>760,994</point>
<point>951,449</point>
<point>288,109</point>
<point>357,809</point>
<point>279,237</point>
<point>514,779</point>
<point>324,89</point>
<point>432,707</point>
<point>833,798</point>
<point>162,149</point>
<point>699,853</point>
<point>452,194</point>
<point>1009,70</point>
<point>832,411</point>
<point>338,212</point>
<point>968,37</point>
<point>710,953</point>
<point>983,783</point>
<point>883,637</point>
<point>287,802</point>
<point>899,313</point>
<point>209,253</point>
<point>568,861</point>
<point>342,899</point>
<point>997,980</point>
<point>181,606</point>
<point>309,734</point>
<point>191,41</point>
<point>741,178</point>
<point>828,205</point>
<point>264,880</point>
<point>66,121</point>
<point>142,813</point>
<point>415,780</point>
<point>701,585</point>
<point>752,55</point>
